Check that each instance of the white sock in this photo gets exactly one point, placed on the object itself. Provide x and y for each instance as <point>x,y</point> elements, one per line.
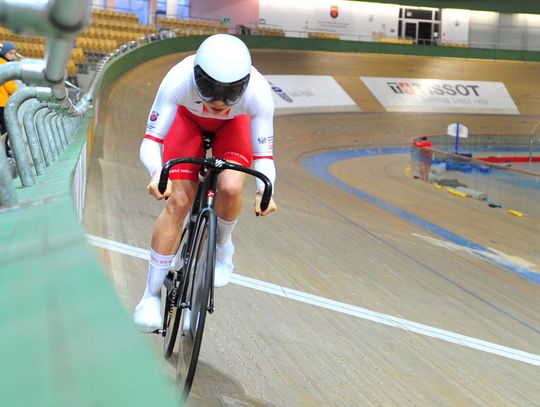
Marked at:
<point>157,271</point>
<point>224,230</point>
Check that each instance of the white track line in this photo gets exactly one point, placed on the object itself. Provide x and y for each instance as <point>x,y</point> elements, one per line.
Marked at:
<point>344,308</point>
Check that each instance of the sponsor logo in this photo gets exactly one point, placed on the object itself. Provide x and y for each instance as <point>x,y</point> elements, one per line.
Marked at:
<point>307,92</point>
<point>154,116</point>
<point>334,11</point>
<point>159,262</point>
<point>441,95</point>
<point>180,171</point>
<point>281,93</point>
<point>433,89</point>
<point>261,140</point>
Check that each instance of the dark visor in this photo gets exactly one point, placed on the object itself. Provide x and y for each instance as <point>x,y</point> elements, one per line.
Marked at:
<point>211,90</point>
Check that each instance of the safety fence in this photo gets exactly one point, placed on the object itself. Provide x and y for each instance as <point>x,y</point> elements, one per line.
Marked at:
<point>496,169</point>
<point>66,339</point>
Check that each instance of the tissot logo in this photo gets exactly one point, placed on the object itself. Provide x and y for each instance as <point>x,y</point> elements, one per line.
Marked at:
<point>441,95</point>
<point>334,11</point>
<point>422,89</point>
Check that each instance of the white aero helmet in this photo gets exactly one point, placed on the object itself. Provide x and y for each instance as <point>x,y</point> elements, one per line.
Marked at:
<point>222,67</point>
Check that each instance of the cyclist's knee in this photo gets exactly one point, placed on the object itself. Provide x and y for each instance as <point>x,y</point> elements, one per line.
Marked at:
<point>178,203</point>
<point>230,188</point>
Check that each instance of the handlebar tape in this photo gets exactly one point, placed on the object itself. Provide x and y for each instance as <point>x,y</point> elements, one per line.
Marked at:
<point>163,179</point>
<point>267,194</point>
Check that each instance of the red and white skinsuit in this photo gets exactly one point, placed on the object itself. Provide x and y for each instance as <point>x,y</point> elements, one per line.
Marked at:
<point>243,132</point>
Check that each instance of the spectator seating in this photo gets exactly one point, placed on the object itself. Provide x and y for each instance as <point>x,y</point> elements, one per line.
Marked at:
<point>270,31</point>
<point>326,36</point>
<point>34,47</point>
<point>396,40</point>
<point>192,27</point>
<point>114,15</point>
<point>454,44</point>
<point>108,29</point>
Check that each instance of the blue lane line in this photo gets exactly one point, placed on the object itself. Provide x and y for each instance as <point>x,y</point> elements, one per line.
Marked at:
<point>319,163</point>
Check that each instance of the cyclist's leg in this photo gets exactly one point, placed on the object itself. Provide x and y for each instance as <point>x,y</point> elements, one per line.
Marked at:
<point>165,240</point>
<point>232,143</point>
<point>182,140</point>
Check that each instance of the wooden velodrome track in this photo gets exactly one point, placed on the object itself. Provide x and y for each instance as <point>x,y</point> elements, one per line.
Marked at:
<point>338,285</point>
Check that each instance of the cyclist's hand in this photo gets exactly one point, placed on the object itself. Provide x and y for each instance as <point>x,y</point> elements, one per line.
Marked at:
<point>257,206</point>
<point>153,186</point>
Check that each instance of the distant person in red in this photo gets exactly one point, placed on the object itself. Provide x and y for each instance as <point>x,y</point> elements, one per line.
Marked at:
<point>424,147</point>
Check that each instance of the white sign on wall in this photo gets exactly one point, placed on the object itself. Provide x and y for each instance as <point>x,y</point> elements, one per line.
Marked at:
<point>310,93</point>
<point>334,17</point>
<point>353,20</point>
<point>438,95</point>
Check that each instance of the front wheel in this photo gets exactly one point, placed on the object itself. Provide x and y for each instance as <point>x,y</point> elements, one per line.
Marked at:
<point>201,269</point>
<point>174,297</point>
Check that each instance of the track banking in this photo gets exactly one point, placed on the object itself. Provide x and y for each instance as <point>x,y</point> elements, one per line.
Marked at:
<point>433,89</point>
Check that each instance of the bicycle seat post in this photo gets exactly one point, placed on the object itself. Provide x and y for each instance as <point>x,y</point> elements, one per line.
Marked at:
<point>208,141</point>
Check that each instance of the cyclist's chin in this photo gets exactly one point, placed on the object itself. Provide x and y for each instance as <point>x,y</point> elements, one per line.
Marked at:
<point>217,106</point>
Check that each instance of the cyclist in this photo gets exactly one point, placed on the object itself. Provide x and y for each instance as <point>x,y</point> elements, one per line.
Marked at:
<point>216,90</point>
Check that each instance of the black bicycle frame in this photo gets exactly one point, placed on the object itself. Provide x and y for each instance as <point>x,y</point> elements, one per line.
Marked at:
<point>204,199</point>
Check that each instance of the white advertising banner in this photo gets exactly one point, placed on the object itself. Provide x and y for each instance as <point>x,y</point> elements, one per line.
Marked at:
<point>353,20</point>
<point>442,96</point>
<point>309,93</point>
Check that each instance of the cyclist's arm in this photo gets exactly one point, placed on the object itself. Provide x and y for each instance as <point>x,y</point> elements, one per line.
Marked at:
<point>161,117</point>
<point>150,154</point>
<point>159,122</point>
<point>262,141</point>
<point>151,151</point>
<point>262,135</point>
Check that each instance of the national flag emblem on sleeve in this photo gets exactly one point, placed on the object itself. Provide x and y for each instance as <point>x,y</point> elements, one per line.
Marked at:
<point>153,116</point>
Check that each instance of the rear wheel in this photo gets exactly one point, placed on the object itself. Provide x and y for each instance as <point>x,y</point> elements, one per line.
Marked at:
<point>199,281</point>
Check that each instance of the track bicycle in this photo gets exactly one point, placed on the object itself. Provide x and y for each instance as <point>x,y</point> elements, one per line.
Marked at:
<point>189,285</point>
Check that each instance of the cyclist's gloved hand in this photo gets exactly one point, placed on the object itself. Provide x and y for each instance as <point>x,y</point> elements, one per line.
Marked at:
<point>153,186</point>
<point>257,206</point>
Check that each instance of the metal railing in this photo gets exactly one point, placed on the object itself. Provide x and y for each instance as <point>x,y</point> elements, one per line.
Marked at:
<point>59,21</point>
<point>50,118</point>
